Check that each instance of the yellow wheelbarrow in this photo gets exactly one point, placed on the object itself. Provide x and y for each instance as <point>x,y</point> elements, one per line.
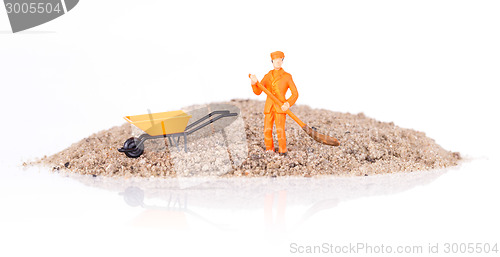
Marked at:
<point>171,125</point>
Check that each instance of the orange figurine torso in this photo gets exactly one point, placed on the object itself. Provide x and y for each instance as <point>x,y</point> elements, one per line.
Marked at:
<point>278,82</point>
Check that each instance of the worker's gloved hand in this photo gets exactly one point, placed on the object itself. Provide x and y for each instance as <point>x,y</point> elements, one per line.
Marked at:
<point>285,106</point>
<point>253,78</point>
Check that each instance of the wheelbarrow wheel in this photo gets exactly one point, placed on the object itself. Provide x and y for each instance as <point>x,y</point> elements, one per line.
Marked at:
<point>130,144</point>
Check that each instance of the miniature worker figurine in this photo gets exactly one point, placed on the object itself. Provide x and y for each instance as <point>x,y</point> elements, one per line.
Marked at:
<point>278,82</point>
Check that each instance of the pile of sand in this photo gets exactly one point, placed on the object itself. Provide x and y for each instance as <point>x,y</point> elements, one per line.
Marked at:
<point>367,147</point>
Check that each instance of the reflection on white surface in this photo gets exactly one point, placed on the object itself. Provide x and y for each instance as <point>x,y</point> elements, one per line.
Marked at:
<point>244,216</point>
<point>172,202</point>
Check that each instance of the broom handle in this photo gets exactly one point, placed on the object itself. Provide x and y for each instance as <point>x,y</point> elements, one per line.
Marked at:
<point>277,101</point>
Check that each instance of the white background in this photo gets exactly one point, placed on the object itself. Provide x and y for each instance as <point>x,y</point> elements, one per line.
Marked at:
<point>428,65</point>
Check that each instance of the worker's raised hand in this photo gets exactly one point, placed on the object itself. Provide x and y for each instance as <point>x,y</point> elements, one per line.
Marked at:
<point>285,106</point>
<point>253,78</point>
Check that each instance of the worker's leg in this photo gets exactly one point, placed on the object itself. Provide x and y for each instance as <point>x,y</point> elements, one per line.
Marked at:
<point>280,130</point>
<point>268,131</point>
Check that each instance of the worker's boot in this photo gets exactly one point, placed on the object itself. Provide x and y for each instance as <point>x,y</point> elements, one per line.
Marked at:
<point>284,154</point>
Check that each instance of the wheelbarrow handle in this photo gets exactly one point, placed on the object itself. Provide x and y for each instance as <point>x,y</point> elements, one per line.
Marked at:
<point>206,117</point>
<point>221,114</point>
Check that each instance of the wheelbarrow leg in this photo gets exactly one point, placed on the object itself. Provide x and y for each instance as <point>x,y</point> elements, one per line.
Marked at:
<point>176,142</point>
<point>185,143</point>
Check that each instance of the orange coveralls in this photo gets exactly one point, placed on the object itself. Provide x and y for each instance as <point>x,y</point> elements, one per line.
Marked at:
<point>278,82</point>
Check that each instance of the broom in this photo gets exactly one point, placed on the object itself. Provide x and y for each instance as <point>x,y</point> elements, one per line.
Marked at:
<point>324,139</point>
